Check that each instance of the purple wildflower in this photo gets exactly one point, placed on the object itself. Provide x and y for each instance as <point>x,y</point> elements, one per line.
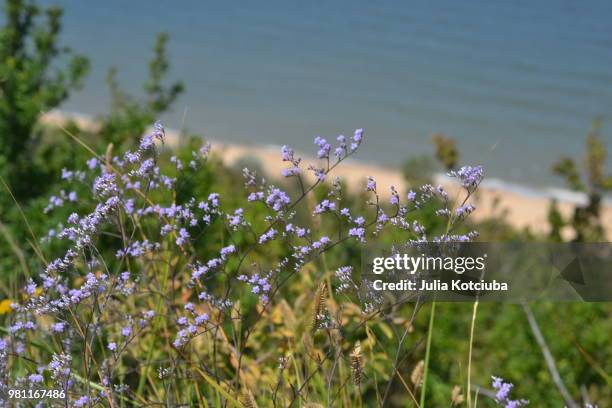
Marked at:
<point>81,402</point>
<point>502,393</point>
<point>287,153</point>
<point>35,378</point>
<point>290,172</point>
<point>325,206</point>
<point>201,319</point>
<point>344,275</point>
<point>277,199</point>
<point>92,163</point>
<point>324,147</point>
<point>464,210</point>
<point>470,176</point>
<point>358,136</point>
<point>58,327</point>
<point>228,250</point>
<point>358,233</point>
<point>106,185</point>
<point>30,288</point>
<point>237,218</point>
<point>267,236</point>
<point>183,236</point>
<point>259,195</point>
<point>371,184</point>
<point>394,196</point>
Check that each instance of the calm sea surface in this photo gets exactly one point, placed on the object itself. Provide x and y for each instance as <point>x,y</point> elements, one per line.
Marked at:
<point>517,83</point>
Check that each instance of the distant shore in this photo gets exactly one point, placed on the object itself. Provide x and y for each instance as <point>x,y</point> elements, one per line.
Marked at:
<point>520,207</point>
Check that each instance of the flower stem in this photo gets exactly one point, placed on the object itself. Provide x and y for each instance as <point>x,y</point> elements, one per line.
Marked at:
<point>469,368</point>
<point>427,353</point>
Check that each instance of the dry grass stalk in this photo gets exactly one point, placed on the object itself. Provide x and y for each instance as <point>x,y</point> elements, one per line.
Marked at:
<point>417,374</point>
<point>247,399</point>
<point>357,364</point>
<point>319,306</point>
<point>456,396</point>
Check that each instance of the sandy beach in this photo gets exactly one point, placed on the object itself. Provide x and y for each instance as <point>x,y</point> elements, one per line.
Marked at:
<point>519,210</point>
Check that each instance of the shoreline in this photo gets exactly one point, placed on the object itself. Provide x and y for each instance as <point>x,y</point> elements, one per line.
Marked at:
<point>521,206</point>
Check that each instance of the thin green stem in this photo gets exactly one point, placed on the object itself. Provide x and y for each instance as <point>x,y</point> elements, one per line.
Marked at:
<point>427,353</point>
<point>469,369</point>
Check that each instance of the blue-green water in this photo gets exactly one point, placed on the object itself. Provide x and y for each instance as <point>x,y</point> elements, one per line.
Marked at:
<point>517,83</point>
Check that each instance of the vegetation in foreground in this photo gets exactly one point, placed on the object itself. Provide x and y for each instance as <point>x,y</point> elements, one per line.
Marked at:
<point>136,315</point>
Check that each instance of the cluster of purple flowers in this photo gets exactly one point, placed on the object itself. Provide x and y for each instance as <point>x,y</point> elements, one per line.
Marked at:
<point>191,325</point>
<point>464,210</point>
<point>325,206</point>
<point>236,220</point>
<point>371,184</point>
<point>260,286</point>
<point>502,394</point>
<point>469,176</point>
<point>269,235</point>
<point>347,146</point>
<point>152,236</point>
<point>58,201</point>
<point>70,175</point>
<point>359,230</point>
<point>83,230</point>
<point>324,147</point>
<point>344,274</point>
<point>199,269</point>
<point>138,248</point>
<point>277,199</point>
<point>288,155</point>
